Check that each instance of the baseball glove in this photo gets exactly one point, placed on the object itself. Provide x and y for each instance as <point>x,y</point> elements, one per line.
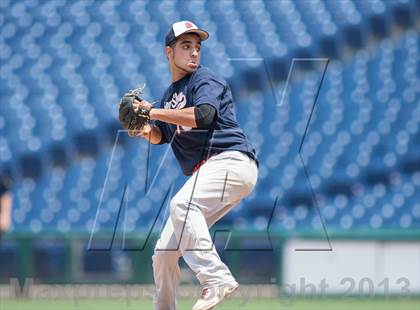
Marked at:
<point>128,117</point>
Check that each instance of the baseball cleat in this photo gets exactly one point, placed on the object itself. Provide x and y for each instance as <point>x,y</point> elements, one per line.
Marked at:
<point>212,296</point>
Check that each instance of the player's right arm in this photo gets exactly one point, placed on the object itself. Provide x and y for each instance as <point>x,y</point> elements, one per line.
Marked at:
<point>151,133</point>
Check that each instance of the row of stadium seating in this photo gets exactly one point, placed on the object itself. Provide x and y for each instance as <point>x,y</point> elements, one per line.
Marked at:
<point>62,58</point>
<point>359,152</point>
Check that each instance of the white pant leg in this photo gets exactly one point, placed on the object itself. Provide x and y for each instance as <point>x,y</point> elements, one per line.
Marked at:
<point>213,190</point>
<point>166,269</point>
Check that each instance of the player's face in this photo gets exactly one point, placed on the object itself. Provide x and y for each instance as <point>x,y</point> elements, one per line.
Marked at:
<point>186,53</point>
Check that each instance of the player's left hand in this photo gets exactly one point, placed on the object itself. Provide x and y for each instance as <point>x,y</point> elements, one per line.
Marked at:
<point>129,118</point>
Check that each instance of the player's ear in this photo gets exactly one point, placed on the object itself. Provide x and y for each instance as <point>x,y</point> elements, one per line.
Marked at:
<point>168,52</point>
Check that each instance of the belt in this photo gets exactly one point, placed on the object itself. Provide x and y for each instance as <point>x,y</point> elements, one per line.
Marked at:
<point>202,162</point>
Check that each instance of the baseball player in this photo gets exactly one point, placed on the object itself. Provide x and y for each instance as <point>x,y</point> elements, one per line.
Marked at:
<point>196,115</point>
<point>5,203</point>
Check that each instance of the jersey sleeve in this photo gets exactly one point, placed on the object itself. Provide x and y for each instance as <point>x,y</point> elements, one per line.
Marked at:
<point>208,89</point>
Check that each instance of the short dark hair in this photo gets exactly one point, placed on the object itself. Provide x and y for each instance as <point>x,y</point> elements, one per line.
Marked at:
<point>172,43</point>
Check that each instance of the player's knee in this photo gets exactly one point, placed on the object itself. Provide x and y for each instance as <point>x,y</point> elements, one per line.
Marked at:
<point>178,209</point>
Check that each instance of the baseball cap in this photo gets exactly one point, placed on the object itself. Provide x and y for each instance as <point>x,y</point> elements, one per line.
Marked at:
<point>182,27</point>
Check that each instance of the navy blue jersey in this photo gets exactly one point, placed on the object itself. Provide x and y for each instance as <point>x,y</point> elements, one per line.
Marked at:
<point>192,145</point>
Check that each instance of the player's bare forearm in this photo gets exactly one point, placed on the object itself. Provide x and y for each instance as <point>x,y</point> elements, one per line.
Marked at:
<point>182,117</point>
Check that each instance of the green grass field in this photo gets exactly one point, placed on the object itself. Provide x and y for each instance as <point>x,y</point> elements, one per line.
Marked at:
<point>184,304</point>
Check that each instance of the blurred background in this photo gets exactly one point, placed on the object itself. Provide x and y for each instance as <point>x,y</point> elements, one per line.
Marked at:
<point>338,190</point>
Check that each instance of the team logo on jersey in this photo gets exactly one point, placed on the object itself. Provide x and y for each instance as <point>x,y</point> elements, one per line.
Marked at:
<point>177,102</point>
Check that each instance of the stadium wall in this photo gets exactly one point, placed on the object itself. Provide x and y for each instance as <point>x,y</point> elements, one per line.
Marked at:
<point>352,267</point>
<point>377,263</point>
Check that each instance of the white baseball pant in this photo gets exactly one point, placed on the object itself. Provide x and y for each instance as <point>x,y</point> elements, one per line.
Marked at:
<point>213,190</point>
